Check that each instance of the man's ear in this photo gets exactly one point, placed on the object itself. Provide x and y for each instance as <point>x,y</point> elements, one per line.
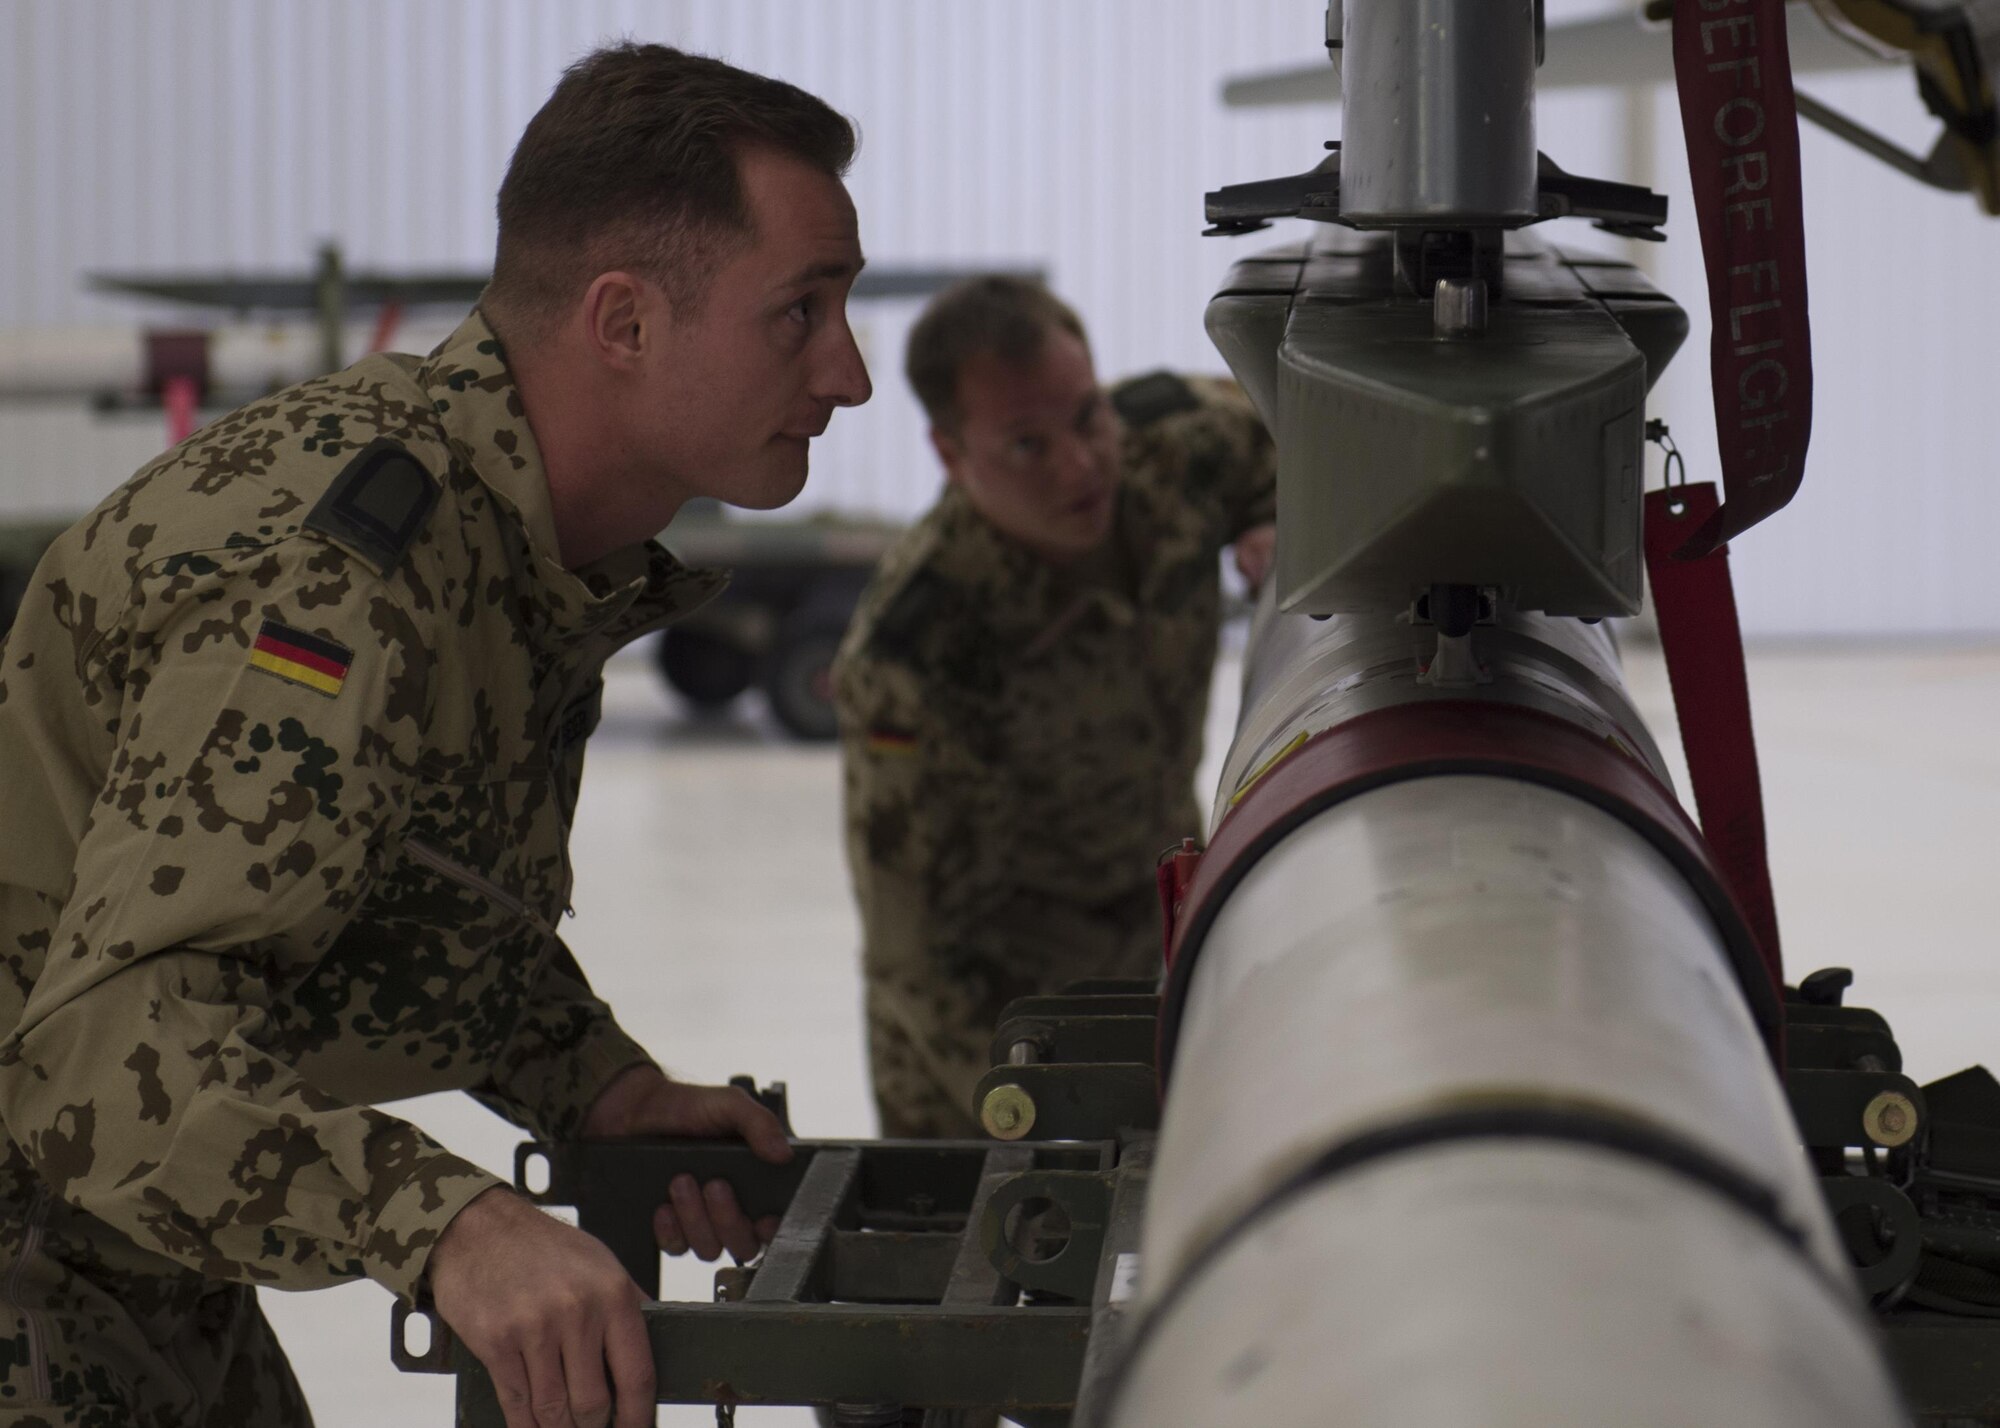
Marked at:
<point>622,314</point>
<point>950,453</point>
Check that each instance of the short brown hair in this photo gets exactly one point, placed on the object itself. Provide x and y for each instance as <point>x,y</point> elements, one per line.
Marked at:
<point>632,164</point>
<point>999,313</point>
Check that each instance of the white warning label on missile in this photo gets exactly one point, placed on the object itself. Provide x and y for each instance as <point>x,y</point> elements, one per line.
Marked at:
<point>1124,1278</point>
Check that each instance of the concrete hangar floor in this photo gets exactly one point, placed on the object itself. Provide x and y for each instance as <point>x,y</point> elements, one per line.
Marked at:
<point>713,913</point>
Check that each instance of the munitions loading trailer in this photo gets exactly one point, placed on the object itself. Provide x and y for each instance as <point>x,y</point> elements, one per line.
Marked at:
<point>910,1280</point>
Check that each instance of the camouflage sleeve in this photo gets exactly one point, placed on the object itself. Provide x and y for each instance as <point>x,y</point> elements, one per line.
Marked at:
<point>564,1051</point>
<point>270,719</point>
<point>1230,456</point>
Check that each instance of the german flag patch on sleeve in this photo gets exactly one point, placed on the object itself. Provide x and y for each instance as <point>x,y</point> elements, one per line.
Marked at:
<point>292,654</point>
<point>887,739</point>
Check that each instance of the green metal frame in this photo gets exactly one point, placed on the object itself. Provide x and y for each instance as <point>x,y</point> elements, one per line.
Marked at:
<point>896,1276</point>
<point>936,1276</point>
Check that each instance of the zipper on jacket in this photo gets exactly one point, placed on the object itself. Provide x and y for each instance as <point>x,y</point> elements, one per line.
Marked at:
<point>32,1230</point>
<point>456,872</point>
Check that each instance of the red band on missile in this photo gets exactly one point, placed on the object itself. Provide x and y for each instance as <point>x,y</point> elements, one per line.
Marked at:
<point>1459,736</point>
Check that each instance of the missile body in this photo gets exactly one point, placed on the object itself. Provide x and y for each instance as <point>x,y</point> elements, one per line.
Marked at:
<point>1471,1114</point>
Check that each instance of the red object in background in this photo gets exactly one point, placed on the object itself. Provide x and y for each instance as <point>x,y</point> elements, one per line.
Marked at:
<point>177,373</point>
<point>386,323</point>
<point>179,399</point>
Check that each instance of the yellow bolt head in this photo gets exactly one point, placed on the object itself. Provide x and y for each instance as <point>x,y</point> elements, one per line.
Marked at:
<point>1008,1112</point>
<point>1890,1119</point>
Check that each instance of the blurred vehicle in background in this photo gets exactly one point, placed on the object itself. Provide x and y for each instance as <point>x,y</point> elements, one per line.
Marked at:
<point>792,589</point>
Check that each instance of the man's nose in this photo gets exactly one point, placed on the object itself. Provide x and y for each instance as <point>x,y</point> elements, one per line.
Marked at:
<point>843,379</point>
<point>1078,460</point>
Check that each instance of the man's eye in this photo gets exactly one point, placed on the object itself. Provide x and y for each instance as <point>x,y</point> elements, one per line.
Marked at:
<point>1030,445</point>
<point>800,311</point>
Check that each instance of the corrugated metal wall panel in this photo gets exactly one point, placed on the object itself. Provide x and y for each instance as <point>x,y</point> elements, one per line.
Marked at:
<point>1072,136</point>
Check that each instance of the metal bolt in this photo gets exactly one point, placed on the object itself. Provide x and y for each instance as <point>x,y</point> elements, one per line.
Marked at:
<point>866,1415</point>
<point>1458,307</point>
<point>1890,1119</point>
<point>1008,1112</point>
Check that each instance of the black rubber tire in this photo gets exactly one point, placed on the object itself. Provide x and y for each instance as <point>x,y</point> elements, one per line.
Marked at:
<point>703,669</point>
<point>798,679</point>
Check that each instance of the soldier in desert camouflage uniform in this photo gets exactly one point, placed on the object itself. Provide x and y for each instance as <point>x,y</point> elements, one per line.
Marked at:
<point>1023,689</point>
<point>291,729</point>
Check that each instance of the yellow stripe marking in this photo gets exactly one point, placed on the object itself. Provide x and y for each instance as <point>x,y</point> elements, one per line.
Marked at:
<point>1297,742</point>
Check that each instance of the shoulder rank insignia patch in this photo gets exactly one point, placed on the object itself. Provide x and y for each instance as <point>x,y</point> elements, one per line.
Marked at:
<point>377,506</point>
<point>294,655</point>
<point>1145,400</point>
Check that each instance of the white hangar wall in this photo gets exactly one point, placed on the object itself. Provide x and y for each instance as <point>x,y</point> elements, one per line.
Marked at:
<point>1072,135</point>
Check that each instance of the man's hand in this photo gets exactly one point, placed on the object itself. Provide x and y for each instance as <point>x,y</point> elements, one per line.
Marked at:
<point>1256,549</point>
<point>704,1218</point>
<point>545,1307</point>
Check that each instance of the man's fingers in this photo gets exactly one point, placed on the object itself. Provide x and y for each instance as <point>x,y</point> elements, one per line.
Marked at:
<point>767,1228</point>
<point>742,1114</point>
<point>766,1139</point>
<point>667,1232</point>
<point>687,1202</point>
<point>761,1130</point>
<point>510,1386</point>
<point>548,1395</point>
<point>583,1371</point>
<point>732,1226</point>
<point>630,1353</point>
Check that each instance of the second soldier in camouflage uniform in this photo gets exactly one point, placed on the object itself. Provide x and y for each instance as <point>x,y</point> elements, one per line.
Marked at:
<point>290,731</point>
<point>1023,690</point>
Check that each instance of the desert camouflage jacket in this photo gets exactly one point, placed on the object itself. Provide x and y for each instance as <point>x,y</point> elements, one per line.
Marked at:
<point>290,734</point>
<point>1019,744</point>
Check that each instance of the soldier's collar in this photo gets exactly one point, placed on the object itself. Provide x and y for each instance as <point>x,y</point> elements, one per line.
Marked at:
<point>1010,584</point>
<point>622,594</point>
<point>640,588</point>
